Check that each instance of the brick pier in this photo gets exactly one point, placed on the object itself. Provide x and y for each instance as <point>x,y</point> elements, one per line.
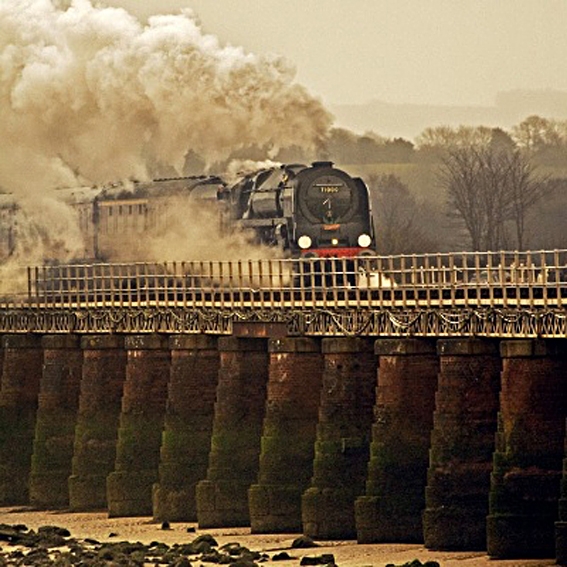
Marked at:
<point>458,443</point>
<point>391,508</point>
<point>288,435</point>
<point>222,497</point>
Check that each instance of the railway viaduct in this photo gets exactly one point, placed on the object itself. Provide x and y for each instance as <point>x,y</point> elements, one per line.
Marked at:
<point>433,410</point>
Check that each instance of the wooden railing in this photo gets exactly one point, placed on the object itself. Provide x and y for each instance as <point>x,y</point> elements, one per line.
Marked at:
<point>503,279</point>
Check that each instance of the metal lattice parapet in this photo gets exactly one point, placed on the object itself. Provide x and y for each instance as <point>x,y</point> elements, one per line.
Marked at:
<point>490,294</point>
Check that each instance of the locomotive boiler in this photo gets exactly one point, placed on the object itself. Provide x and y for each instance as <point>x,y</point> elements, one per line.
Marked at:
<point>308,211</point>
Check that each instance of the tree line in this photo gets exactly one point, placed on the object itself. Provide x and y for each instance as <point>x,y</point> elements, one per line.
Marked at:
<point>497,187</point>
<point>473,188</point>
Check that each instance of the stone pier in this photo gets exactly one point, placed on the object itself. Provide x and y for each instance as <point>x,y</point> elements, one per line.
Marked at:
<point>21,376</point>
<point>527,469</point>
<point>462,444</point>
<point>222,498</point>
<point>129,486</point>
<point>561,524</point>
<point>188,427</point>
<point>55,423</point>
<point>102,382</point>
<point>391,509</point>
<point>343,438</point>
<point>288,436</point>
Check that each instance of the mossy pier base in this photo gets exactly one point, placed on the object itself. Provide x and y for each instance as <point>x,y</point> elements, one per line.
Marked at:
<point>288,435</point>
<point>527,469</point>
<point>188,427</point>
<point>102,382</point>
<point>55,422</point>
<point>391,508</point>
<point>343,438</point>
<point>222,498</point>
<point>21,375</point>
<point>129,486</point>
<point>462,444</point>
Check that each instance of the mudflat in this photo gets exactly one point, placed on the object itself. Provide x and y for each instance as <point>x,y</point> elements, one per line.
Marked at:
<point>98,526</point>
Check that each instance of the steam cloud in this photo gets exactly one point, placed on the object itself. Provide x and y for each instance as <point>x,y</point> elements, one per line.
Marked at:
<point>89,95</point>
<point>90,91</point>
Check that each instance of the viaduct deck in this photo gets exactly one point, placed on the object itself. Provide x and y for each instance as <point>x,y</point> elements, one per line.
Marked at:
<point>503,294</point>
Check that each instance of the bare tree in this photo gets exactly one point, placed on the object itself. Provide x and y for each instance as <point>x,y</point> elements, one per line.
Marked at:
<point>488,186</point>
<point>526,190</point>
<point>460,175</point>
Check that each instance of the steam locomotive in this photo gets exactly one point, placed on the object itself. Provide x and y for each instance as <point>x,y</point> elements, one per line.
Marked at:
<point>304,211</point>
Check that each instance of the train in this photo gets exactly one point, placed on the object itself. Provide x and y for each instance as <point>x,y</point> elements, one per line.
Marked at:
<point>309,211</point>
<point>297,210</point>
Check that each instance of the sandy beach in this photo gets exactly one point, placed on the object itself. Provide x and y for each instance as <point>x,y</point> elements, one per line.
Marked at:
<point>97,525</point>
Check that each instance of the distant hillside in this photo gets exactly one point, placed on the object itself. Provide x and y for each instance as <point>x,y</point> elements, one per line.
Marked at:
<point>409,120</point>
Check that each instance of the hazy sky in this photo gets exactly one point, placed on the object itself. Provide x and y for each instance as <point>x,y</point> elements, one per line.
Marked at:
<point>398,51</point>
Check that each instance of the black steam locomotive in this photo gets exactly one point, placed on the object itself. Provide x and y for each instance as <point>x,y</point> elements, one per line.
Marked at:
<point>304,211</point>
<point>316,211</point>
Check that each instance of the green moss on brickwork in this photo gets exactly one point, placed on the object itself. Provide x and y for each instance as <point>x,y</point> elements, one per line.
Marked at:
<point>17,427</point>
<point>49,490</point>
<point>231,440</point>
<point>174,505</point>
<point>130,493</point>
<point>184,461</point>
<point>402,454</point>
<point>98,430</point>
<point>375,522</point>
<point>296,445</point>
<point>525,495</point>
<point>87,492</point>
<point>93,455</point>
<point>53,442</point>
<point>222,504</point>
<point>280,468</point>
<point>454,528</point>
<point>341,470</point>
<point>185,444</point>
<point>234,455</point>
<point>177,476</point>
<point>328,513</point>
<point>139,440</point>
<point>275,508</point>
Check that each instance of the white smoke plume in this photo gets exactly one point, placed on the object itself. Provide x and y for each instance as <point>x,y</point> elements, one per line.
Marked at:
<point>91,92</point>
<point>90,95</point>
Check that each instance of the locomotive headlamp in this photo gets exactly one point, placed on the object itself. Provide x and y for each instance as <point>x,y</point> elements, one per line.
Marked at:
<point>335,241</point>
<point>364,241</point>
<point>304,242</point>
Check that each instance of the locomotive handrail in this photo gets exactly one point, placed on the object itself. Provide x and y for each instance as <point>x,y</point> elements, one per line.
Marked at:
<point>532,279</point>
